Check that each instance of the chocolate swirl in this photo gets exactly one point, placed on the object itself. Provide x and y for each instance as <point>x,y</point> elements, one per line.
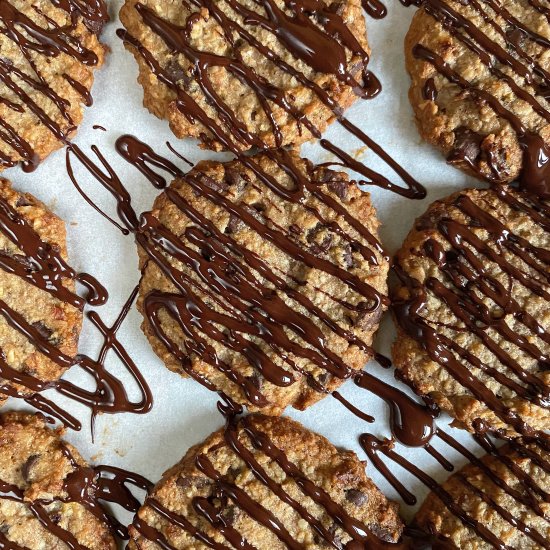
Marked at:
<point>509,55</point>
<point>312,32</point>
<point>36,116</point>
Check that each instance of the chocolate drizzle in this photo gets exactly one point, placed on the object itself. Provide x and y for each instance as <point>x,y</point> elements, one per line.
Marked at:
<point>41,265</point>
<point>535,175</point>
<point>49,41</point>
<point>465,263</point>
<point>313,33</point>
<point>90,487</point>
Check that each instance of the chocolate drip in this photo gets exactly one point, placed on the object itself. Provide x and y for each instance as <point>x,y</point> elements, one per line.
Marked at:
<point>90,487</point>
<point>375,8</point>
<point>535,176</point>
<point>49,42</point>
<point>323,48</point>
<point>223,272</point>
<point>461,264</point>
<point>375,447</point>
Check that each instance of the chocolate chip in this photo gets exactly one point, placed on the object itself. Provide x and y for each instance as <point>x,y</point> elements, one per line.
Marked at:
<point>56,518</point>
<point>348,256</point>
<point>219,186</point>
<point>367,319</point>
<point>466,147</point>
<point>4,528</point>
<point>320,239</point>
<point>177,73</point>
<point>382,533</point>
<point>23,201</point>
<point>233,225</point>
<point>293,228</point>
<point>43,330</point>
<point>27,467</point>
<point>236,178</point>
<point>339,188</point>
<point>356,497</point>
<point>188,482</point>
<point>516,36</point>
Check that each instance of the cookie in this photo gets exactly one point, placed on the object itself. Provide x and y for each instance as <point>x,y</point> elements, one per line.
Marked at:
<point>261,287</point>
<point>41,503</point>
<point>265,483</point>
<point>243,74</point>
<point>48,53</point>
<point>40,314</point>
<point>480,87</point>
<point>499,501</point>
<point>472,309</point>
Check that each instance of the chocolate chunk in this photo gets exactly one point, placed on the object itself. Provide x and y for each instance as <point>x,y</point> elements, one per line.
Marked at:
<point>23,201</point>
<point>233,225</point>
<point>43,330</point>
<point>27,467</point>
<point>356,497</point>
<point>381,533</point>
<point>177,73</point>
<point>188,482</point>
<point>320,243</point>
<point>367,319</point>
<point>339,188</point>
<point>466,147</point>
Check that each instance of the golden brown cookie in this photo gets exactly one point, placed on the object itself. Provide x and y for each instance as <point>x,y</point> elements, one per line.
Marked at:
<point>263,288</point>
<point>38,304</point>
<point>40,504</point>
<point>480,75</point>
<point>265,483</point>
<point>48,52</point>
<point>243,74</point>
<point>472,309</point>
<point>500,501</point>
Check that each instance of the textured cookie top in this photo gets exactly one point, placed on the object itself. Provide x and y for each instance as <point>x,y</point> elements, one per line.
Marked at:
<point>265,483</point>
<point>500,501</point>
<point>48,51</point>
<point>43,501</point>
<point>239,74</point>
<point>40,314</point>
<point>264,288</point>
<point>473,309</point>
<point>480,75</point>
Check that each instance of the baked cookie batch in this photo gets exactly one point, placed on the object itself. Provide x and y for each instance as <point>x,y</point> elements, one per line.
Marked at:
<point>263,278</point>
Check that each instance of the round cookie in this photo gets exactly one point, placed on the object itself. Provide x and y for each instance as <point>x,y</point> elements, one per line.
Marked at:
<point>38,304</point>
<point>251,73</point>
<point>472,309</point>
<point>49,52</point>
<point>499,501</point>
<point>262,288</point>
<point>265,483</point>
<point>40,473</point>
<point>480,86</point>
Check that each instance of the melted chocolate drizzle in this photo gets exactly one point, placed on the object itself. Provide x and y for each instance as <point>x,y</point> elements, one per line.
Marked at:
<point>535,176</point>
<point>322,45</point>
<point>41,265</point>
<point>90,487</point>
<point>30,39</point>
<point>469,259</point>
